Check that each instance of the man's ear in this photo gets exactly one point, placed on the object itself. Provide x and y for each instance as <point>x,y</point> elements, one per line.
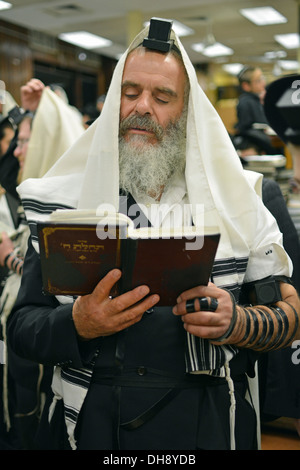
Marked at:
<point>246,86</point>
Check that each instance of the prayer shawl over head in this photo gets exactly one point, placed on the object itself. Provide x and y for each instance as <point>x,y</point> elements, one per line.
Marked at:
<point>54,130</point>
<point>9,103</point>
<point>219,192</point>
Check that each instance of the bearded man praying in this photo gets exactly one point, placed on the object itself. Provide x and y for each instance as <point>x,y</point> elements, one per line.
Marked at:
<point>130,374</point>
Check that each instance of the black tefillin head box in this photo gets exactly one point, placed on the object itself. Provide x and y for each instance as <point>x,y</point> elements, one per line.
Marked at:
<point>159,35</point>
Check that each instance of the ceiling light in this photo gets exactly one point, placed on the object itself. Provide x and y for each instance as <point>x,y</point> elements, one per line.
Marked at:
<point>208,41</point>
<point>5,5</point>
<point>263,16</point>
<point>233,69</point>
<point>85,40</point>
<point>179,28</point>
<point>274,55</point>
<point>289,64</point>
<point>198,47</point>
<point>217,50</point>
<point>289,41</point>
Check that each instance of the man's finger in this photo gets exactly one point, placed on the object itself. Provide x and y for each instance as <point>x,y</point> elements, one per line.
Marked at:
<point>104,287</point>
<point>103,290</point>
<point>135,311</point>
<point>200,291</point>
<point>129,299</point>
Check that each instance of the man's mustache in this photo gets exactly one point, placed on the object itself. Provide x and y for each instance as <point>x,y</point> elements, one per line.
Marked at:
<point>141,122</point>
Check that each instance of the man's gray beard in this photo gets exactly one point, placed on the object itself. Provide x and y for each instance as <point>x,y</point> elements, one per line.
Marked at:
<point>146,168</point>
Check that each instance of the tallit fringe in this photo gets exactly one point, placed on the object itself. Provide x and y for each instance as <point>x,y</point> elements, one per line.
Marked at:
<point>52,407</point>
<point>70,432</point>
<point>232,408</point>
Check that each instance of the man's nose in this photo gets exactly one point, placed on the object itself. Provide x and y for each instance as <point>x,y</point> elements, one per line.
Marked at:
<point>144,104</point>
<point>17,151</point>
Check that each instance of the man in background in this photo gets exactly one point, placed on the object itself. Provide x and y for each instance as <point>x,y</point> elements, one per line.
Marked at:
<point>251,120</point>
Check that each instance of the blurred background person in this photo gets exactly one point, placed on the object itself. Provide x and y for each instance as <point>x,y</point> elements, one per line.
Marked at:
<point>60,91</point>
<point>45,131</point>
<point>89,113</point>
<point>7,103</point>
<point>251,118</point>
<point>100,102</point>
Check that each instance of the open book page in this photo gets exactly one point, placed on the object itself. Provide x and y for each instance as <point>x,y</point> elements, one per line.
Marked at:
<point>88,216</point>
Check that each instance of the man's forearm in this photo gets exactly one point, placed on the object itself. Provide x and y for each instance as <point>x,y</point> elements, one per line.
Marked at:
<point>264,327</point>
<point>44,335</point>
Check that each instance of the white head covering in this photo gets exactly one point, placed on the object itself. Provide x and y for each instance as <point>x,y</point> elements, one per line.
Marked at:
<point>54,130</point>
<point>87,175</point>
<point>9,103</point>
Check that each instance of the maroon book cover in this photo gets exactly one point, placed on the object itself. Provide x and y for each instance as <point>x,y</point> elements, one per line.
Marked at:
<point>169,267</point>
<point>74,259</point>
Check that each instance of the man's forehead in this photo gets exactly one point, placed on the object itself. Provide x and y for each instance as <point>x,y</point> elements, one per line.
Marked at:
<point>147,62</point>
<point>141,54</point>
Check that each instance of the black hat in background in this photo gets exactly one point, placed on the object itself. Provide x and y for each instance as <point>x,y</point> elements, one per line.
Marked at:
<point>282,108</point>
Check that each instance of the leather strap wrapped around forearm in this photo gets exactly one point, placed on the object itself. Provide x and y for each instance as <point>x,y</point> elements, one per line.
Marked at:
<point>261,327</point>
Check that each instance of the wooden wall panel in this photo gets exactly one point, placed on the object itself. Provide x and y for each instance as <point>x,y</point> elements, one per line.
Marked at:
<point>22,50</point>
<point>15,59</point>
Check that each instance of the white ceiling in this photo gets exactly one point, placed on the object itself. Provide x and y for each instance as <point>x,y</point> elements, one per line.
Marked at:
<point>109,19</point>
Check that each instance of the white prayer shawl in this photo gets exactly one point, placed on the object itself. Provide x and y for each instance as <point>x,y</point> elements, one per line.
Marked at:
<point>218,189</point>
<point>54,129</point>
<point>9,103</point>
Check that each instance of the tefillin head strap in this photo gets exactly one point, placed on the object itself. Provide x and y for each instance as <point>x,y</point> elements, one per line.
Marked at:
<point>159,36</point>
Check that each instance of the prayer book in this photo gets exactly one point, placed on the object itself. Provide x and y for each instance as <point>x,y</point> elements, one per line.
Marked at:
<point>78,248</point>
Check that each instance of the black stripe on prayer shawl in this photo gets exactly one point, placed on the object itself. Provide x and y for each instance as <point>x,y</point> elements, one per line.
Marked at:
<point>39,208</point>
<point>33,205</point>
<point>71,414</point>
<point>202,355</point>
<point>225,267</point>
<point>80,377</point>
